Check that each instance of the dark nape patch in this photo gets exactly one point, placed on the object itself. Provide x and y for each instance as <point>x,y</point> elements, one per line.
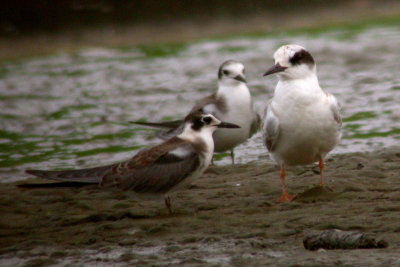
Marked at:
<point>220,70</point>
<point>302,57</point>
<point>196,119</point>
<point>197,124</point>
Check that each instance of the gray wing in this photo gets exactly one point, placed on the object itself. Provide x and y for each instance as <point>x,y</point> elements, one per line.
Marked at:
<point>163,124</point>
<point>165,135</point>
<point>255,124</point>
<point>270,128</point>
<point>173,128</point>
<point>335,109</point>
<point>158,176</point>
<point>207,105</point>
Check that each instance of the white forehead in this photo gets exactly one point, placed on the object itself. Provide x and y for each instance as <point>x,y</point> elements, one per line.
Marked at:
<point>212,117</point>
<point>209,115</point>
<point>236,67</point>
<point>285,52</point>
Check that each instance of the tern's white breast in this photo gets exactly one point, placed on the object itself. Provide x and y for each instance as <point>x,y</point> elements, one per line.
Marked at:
<point>307,129</point>
<point>240,112</point>
<point>205,137</point>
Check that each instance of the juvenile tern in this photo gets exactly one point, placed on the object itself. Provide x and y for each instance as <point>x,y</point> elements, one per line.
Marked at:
<point>232,102</point>
<point>157,170</point>
<point>302,122</point>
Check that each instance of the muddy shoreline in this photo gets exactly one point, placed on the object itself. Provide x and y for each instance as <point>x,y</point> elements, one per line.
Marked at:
<point>228,217</point>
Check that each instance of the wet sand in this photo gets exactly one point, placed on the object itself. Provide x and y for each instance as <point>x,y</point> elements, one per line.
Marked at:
<point>229,217</point>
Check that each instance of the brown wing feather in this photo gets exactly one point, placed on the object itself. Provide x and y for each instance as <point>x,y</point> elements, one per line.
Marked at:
<point>155,169</point>
<point>89,175</point>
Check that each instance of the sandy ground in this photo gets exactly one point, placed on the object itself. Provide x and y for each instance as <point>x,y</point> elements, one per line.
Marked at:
<point>229,217</point>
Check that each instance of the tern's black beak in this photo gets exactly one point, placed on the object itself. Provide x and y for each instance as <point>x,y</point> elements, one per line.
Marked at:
<point>240,78</point>
<point>227,125</point>
<point>274,69</point>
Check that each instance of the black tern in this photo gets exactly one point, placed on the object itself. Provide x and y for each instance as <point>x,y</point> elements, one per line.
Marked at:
<point>156,170</point>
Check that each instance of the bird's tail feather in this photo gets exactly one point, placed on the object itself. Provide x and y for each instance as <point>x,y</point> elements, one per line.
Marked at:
<point>88,176</point>
<point>54,185</point>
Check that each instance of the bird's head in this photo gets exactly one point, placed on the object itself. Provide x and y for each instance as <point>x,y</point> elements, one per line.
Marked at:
<point>231,73</point>
<point>201,125</point>
<point>292,62</point>
<point>199,121</point>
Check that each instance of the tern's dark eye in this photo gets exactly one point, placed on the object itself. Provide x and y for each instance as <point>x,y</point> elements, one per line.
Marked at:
<point>226,72</point>
<point>207,120</point>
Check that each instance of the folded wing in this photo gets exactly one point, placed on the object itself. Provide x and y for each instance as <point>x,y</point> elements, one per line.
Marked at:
<point>156,170</point>
<point>89,175</point>
<point>270,128</point>
<point>335,109</point>
<point>173,128</point>
<point>255,124</point>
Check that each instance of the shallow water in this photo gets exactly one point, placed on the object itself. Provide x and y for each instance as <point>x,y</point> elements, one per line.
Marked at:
<point>71,111</point>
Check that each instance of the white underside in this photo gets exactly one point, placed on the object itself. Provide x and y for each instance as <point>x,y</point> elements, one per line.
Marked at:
<point>307,128</point>
<point>205,135</point>
<point>240,112</point>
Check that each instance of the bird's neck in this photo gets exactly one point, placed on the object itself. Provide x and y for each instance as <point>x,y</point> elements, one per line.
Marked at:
<point>196,137</point>
<point>300,91</point>
<point>308,84</point>
<point>238,93</point>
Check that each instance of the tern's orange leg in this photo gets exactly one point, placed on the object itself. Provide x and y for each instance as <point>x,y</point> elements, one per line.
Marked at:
<point>285,196</point>
<point>321,171</point>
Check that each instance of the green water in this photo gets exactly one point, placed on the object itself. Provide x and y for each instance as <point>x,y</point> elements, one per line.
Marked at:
<point>71,110</point>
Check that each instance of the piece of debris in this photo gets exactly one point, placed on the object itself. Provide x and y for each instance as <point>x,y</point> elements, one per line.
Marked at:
<point>338,239</point>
